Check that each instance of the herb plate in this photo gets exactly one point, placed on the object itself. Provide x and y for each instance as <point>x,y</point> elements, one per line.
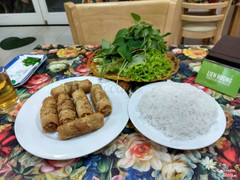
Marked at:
<point>21,68</point>
<point>173,60</point>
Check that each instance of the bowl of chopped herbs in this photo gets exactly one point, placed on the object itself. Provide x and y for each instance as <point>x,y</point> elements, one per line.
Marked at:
<point>138,53</point>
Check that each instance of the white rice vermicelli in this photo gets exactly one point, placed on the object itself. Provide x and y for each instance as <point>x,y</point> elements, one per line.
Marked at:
<point>179,110</point>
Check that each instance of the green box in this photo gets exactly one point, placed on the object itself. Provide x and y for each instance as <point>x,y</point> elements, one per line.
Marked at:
<point>219,78</point>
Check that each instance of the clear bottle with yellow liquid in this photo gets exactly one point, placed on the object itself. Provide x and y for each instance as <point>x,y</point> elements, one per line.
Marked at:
<point>8,96</point>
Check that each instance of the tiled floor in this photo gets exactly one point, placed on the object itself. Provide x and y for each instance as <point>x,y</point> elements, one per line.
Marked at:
<point>43,34</point>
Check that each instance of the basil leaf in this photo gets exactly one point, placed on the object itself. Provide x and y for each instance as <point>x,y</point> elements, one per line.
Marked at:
<point>137,60</point>
<point>144,23</point>
<point>136,32</point>
<point>121,33</point>
<point>105,44</point>
<point>119,42</point>
<point>125,52</point>
<point>136,17</point>
<point>166,34</point>
<point>134,44</point>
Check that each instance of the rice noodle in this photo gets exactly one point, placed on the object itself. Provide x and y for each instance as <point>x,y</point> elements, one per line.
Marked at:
<point>179,110</point>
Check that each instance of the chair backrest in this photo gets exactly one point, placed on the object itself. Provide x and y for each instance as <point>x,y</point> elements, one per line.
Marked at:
<point>92,22</point>
<point>199,25</point>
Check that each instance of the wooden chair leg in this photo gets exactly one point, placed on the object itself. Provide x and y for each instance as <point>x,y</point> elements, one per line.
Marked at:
<point>182,40</point>
<point>234,27</point>
<point>206,41</point>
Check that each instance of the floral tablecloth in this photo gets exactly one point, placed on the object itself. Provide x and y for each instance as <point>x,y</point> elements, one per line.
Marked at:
<point>130,155</point>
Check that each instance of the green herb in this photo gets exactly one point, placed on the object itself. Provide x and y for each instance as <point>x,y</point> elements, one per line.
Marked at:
<point>31,61</point>
<point>131,54</point>
<point>155,66</point>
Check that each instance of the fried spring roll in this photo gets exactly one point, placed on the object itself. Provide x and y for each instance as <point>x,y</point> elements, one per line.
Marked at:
<point>50,102</point>
<point>68,104</point>
<point>81,126</point>
<point>83,106</point>
<point>47,110</point>
<point>48,114</point>
<point>57,90</point>
<point>62,98</point>
<point>70,87</point>
<point>84,85</point>
<point>100,100</point>
<point>66,116</point>
<point>66,108</point>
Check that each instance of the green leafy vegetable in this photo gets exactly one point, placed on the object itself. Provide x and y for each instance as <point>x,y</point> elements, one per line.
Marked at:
<point>137,53</point>
<point>31,61</point>
<point>154,67</point>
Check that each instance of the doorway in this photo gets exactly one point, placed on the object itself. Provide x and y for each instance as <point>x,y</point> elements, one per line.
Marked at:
<point>33,12</point>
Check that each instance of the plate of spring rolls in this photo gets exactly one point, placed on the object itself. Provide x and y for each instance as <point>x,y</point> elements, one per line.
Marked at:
<point>71,118</point>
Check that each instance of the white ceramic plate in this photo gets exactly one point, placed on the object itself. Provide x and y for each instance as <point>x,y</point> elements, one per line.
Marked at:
<point>31,137</point>
<point>159,137</point>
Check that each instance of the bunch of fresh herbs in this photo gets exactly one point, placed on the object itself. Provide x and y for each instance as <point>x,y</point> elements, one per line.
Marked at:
<point>31,61</point>
<point>137,53</point>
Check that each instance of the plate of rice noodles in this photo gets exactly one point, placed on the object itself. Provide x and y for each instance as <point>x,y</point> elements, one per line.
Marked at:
<point>177,115</point>
<point>138,53</point>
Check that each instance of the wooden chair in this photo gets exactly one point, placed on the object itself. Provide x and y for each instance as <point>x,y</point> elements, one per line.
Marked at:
<point>234,28</point>
<point>90,23</point>
<point>195,23</point>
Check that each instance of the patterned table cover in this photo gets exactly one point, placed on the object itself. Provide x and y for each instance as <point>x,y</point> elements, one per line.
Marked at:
<point>130,155</point>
